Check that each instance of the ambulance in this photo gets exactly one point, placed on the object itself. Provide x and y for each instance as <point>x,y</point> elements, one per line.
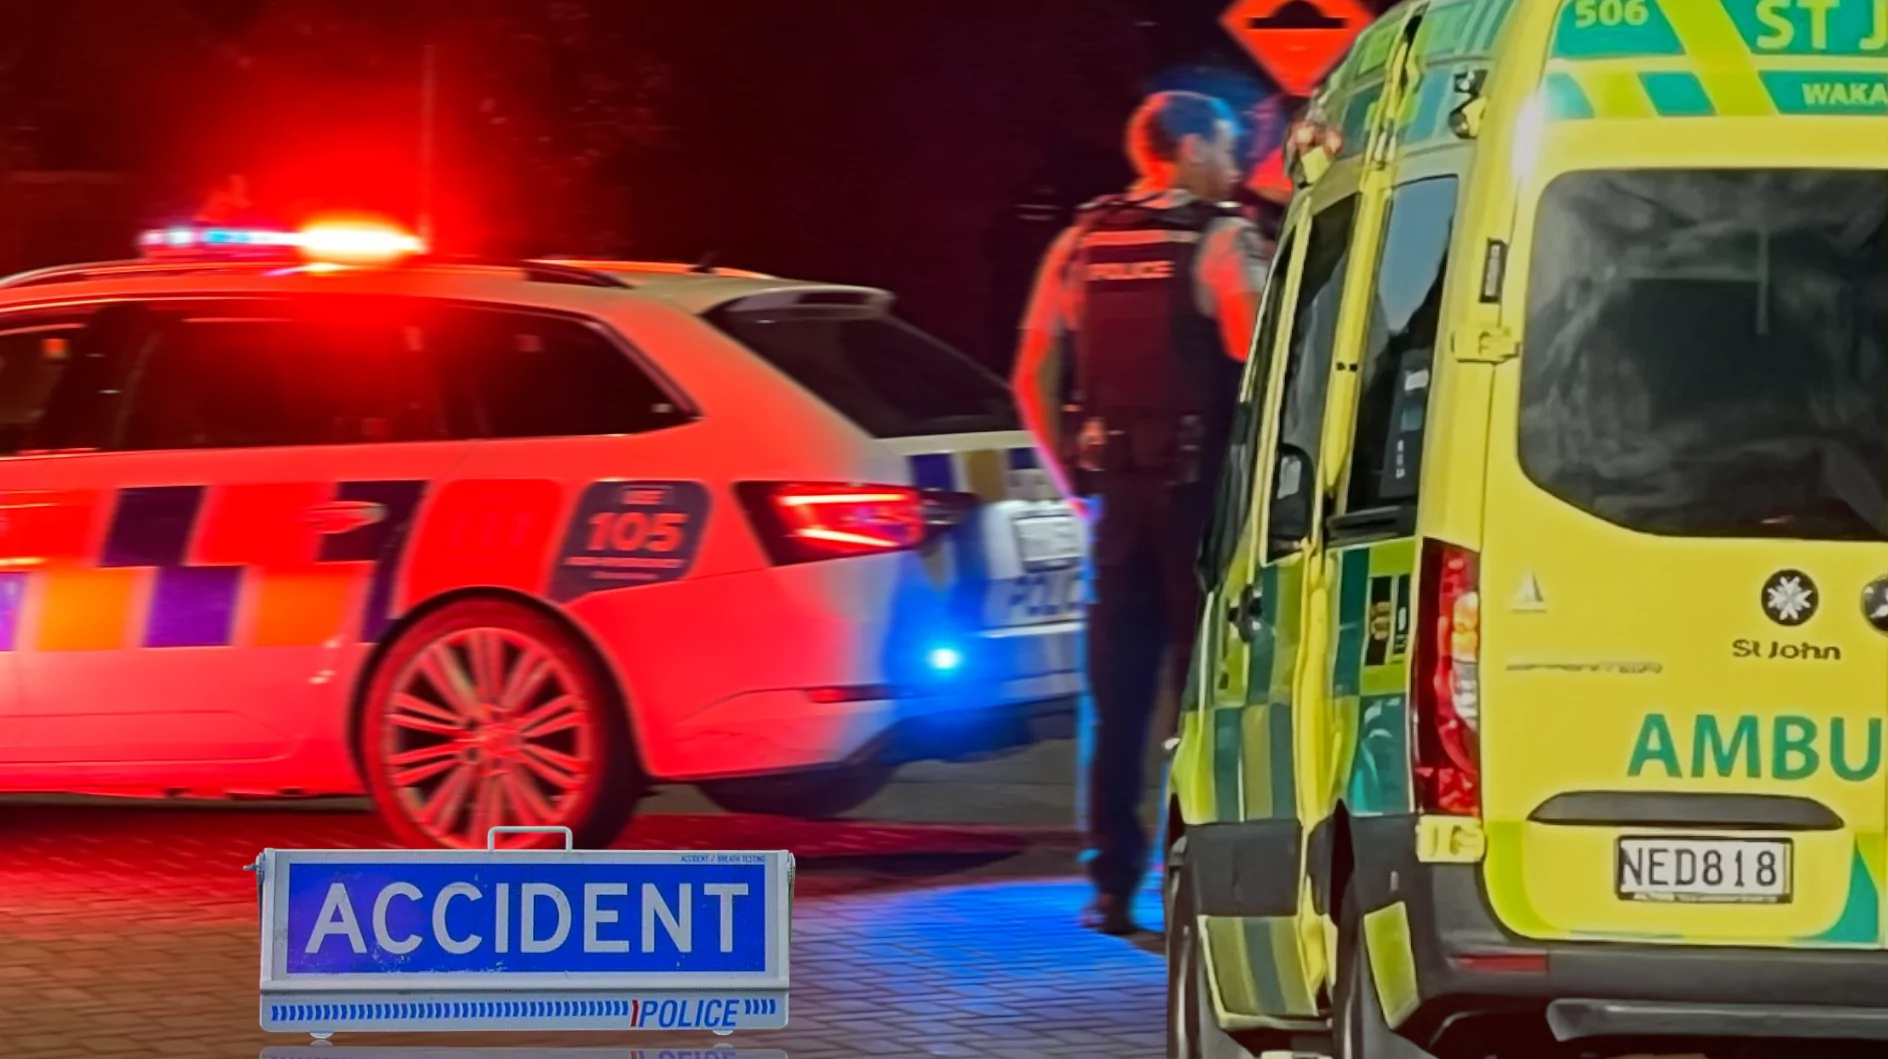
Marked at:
<point>1541,685</point>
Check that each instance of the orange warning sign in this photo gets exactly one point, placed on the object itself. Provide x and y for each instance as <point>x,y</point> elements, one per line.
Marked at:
<point>1269,179</point>
<point>1296,41</point>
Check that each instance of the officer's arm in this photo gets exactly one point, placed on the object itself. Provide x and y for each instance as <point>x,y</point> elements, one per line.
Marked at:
<point>1037,377</point>
<point>1231,280</point>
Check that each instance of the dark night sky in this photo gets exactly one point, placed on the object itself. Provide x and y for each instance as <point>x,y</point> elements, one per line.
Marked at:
<point>888,142</point>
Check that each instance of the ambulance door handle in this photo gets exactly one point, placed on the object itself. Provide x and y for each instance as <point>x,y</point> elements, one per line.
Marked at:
<point>1246,611</point>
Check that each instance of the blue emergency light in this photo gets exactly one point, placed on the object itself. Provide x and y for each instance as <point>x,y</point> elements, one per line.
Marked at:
<point>336,242</point>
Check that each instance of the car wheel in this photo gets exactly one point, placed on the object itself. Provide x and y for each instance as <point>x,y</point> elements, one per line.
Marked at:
<point>484,714</point>
<point>1359,1028</point>
<point>1192,1029</point>
<point>813,795</point>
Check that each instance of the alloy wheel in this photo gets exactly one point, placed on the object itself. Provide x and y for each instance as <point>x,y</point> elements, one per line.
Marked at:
<point>488,727</point>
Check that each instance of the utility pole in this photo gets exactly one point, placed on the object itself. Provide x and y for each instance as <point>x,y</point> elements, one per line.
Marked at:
<point>429,105</point>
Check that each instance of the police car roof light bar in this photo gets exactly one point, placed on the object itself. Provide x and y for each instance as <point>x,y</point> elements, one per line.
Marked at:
<point>331,242</point>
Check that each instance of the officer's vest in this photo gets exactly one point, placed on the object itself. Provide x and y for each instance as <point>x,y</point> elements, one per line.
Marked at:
<point>1146,356</point>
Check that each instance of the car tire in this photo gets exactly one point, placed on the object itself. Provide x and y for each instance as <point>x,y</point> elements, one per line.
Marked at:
<point>488,713</point>
<point>1192,1029</point>
<point>1359,1029</point>
<point>817,794</point>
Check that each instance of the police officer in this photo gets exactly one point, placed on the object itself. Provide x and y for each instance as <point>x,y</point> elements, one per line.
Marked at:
<point>1155,292</point>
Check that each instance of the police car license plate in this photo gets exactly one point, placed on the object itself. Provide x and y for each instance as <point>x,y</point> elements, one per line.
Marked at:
<point>1047,541</point>
<point>1704,870</point>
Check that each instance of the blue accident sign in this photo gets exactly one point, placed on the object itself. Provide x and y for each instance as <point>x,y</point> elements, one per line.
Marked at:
<point>324,1050</point>
<point>389,940</point>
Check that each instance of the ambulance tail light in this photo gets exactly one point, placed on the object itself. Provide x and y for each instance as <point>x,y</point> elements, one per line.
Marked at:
<point>1447,679</point>
<point>802,522</point>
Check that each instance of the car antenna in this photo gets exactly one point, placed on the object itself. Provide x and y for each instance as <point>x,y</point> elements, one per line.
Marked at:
<point>707,263</point>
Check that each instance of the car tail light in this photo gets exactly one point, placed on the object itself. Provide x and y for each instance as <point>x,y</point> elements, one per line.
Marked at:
<point>1447,743</point>
<point>802,522</point>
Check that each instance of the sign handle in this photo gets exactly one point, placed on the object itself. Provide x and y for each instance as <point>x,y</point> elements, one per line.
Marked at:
<point>491,837</point>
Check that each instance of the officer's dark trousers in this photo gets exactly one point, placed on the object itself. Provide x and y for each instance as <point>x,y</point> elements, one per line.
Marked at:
<point>1144,611</point>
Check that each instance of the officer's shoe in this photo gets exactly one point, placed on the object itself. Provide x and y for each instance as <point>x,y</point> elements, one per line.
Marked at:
<point>1110,915</point>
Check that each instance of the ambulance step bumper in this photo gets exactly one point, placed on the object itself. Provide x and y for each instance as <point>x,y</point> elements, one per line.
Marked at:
<point>1578,1019</point>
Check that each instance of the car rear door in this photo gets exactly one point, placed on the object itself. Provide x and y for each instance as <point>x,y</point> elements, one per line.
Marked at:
<point>1015,564</point>
<point>1684,577</point>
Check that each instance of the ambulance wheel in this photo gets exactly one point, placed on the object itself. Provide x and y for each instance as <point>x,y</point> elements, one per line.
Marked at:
<point>1192,1029</point>
<point>1359,1028</point>
<point>485,713</point>
<point>816,794</point>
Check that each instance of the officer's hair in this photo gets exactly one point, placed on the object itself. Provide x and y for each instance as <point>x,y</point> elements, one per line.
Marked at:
<point>1167,118</point>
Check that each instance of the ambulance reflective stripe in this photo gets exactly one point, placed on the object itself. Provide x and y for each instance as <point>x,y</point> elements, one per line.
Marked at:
<point>1642,58</point>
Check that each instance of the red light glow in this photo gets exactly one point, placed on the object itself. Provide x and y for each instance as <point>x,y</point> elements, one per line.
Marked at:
<point>354,242</point>
<point>855,521</point>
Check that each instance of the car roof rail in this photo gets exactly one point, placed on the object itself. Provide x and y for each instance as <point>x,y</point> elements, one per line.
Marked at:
<point>705,267</point>
<point>533,271</point>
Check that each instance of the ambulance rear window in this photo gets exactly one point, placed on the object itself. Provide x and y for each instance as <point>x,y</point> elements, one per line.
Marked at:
<point>1706,351</point>
<point>888,377</point>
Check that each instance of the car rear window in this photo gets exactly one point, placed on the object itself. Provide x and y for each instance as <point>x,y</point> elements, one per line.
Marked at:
<point>1706,351</point>
<point>885,375</point>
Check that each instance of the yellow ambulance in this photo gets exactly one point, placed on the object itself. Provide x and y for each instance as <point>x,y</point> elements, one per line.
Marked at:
<point>1541,686</point>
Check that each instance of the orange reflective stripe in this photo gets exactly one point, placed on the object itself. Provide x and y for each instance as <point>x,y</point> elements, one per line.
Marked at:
<point>86,609</point>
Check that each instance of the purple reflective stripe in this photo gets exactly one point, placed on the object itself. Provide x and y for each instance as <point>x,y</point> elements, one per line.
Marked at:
<point>151,526</point>
<point>382,543</point>
<point>193,606</point>
<point>12,595</point>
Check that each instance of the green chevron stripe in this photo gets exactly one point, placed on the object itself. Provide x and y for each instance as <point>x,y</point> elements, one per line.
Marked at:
<point>1564,99</point>
<point>1353,600</point>
<point>1678,95</point>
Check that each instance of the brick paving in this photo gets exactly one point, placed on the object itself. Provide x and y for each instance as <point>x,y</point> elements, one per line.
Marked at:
<point>131,932</point>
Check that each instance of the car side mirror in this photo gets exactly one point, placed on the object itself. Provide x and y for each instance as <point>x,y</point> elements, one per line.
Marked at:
<point>1294,492</point>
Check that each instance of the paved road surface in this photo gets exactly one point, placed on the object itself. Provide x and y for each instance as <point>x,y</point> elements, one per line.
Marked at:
<point>129,930</point>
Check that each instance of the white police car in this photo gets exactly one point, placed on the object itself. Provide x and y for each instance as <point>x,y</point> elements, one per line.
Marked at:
<point>312,513</point>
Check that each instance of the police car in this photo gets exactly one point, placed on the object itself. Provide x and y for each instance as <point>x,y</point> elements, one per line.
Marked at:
<point>313,512</point>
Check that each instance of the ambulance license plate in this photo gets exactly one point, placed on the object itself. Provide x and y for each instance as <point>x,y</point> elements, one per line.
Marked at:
<point>1048,541</point>
<point>1704,870</point>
